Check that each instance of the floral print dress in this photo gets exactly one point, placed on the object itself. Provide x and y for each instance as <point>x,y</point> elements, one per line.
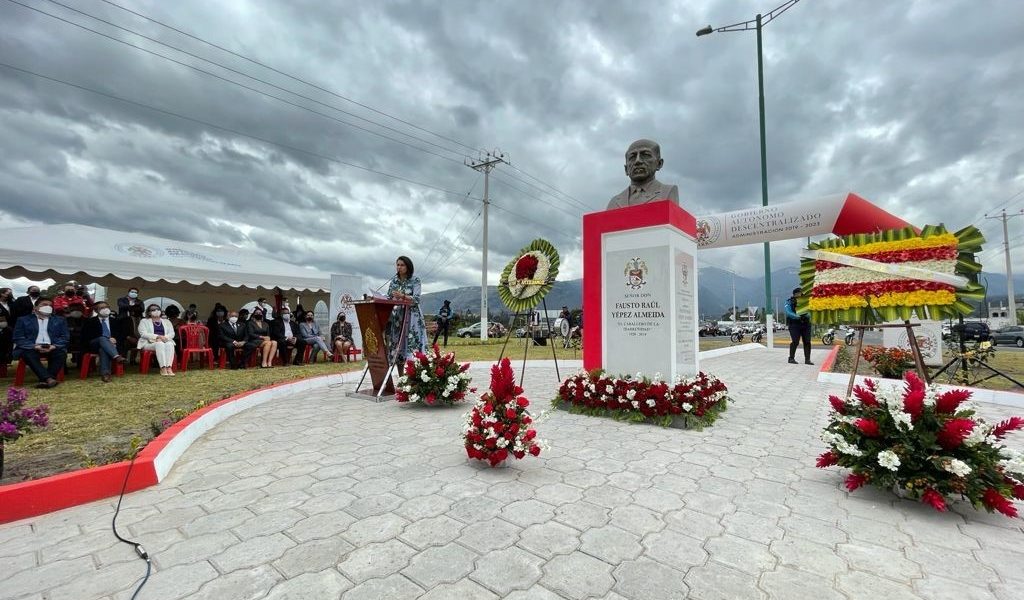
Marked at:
<point>416,337</point>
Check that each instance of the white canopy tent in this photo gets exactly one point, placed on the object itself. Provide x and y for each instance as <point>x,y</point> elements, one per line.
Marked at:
<point>160,267</point>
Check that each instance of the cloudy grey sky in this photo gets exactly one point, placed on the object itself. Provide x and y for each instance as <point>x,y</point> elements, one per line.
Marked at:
<point>913,105</point>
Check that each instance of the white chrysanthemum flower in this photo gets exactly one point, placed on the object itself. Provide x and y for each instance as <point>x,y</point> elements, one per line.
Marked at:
<point>687,406</point>
<point>608,389</point>
<point>902,419</point>
<point>651,402</point>
<point>424,376</point>
<point>636,404</point>
<point>630,394</point>
<point>957,467</point>
<point>889,460</point>
<point>414,398</point>
<point>502,442</point>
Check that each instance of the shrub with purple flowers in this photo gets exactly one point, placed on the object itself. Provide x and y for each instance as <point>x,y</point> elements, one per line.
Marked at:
<point>17,420</point>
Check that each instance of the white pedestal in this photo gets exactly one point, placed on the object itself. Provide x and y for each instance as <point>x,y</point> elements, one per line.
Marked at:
<point>649,302</point>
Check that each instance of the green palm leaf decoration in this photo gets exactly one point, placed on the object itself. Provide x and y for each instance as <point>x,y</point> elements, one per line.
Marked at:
<point>529,276</point>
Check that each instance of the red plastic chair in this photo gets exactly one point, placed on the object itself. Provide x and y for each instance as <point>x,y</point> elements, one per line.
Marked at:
<point>87,360</point>
<point>147,356</point>
<point>19,373</point>
<point>195,339</point>
<point>354,352</point>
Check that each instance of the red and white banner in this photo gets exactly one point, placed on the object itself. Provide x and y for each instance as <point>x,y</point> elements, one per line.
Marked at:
<point>840,214</point>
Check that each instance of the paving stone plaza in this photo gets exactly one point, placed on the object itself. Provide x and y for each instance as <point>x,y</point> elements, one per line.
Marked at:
<point>320,496</point>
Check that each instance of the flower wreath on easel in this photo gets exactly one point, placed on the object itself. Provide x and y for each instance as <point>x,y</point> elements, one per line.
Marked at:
<point>529,276</point>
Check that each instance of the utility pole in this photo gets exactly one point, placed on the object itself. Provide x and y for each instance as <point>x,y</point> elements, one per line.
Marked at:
<point>485,164</point>
<point>1011,300</point>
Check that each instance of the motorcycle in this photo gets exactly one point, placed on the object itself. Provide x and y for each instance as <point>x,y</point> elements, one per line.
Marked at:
<point>830,335</point>
<point>757,336</point>
<point>736,336</point>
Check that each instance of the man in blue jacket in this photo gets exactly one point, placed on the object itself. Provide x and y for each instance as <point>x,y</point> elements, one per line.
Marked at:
<point>799,329</point>
<point>42,335</point>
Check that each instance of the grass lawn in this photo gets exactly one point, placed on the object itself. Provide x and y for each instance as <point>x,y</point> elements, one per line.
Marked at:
<point>1010,362</point>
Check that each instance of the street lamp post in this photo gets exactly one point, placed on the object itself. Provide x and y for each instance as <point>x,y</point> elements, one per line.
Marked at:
<point>757,23</point>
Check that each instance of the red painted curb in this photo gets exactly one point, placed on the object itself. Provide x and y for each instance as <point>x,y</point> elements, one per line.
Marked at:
<point>826,365</point>
<point>57,492</point>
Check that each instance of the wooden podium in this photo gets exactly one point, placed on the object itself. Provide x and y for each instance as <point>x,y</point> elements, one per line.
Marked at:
<point>373,315</point>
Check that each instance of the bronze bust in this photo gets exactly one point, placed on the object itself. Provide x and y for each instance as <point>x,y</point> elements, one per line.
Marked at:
<point>643,159</point>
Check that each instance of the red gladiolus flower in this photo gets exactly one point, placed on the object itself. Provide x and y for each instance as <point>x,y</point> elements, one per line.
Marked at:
<point>837,405</point>
<point>523,402</point>
<point>865,395</point>
<point>868,427</point>
<point>827,460</point>
<point>913,398</point>
<point>954,432</point>
<point>1011,424</point>
<point>949,401</point>
<point>464,368</point>
<point>934,499</point>
<point>995,501</point>
<point>870,384</point>
<point>855,480</point>
<point>535,450</point>
<point>1018,491</point>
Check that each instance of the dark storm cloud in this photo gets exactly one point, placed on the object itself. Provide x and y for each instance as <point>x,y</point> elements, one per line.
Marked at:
<point>912,105</point>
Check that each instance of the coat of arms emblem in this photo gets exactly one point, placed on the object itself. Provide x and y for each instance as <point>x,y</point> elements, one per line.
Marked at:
<point>635,271</point>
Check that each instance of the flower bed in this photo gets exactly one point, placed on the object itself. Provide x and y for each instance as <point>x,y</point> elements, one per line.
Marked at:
<point>924,445</point>
<point>433,379</point>
<point>688,403</point>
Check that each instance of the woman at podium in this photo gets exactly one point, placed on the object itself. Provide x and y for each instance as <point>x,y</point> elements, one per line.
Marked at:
<point>404,286</point>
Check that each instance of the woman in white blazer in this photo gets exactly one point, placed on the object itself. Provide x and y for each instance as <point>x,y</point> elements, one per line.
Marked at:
<point>157,334</point>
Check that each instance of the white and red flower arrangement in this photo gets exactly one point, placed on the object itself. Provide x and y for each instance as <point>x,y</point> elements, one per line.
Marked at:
<point>924,444</point>
<point>433,379</point>
<point>528,276</point>
<point>695,402</point>
<point>499,424</point>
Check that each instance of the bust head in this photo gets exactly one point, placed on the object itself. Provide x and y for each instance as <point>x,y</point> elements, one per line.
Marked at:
<point>643,159</point>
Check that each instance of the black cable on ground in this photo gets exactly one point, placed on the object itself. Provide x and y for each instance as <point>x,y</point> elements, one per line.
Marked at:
<point>138,547</point>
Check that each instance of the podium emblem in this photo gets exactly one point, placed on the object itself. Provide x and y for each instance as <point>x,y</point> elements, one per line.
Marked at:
<point>371,343</point>
<point>635,272</point>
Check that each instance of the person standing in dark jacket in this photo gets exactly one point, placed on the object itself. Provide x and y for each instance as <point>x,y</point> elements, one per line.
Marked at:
<point>799,328</point>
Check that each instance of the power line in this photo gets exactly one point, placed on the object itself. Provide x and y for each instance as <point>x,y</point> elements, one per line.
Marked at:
<point>537,198</point>
<point>235,132</point>
<point>544,183</point>
<point>444,231</point>
<point>459,239</point>
<point>292,77</point>
<point>242,85</point>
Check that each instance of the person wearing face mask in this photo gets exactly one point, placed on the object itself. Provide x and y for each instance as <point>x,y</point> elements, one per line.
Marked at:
<point>130,305</point>
<point>73,300</point>
<point>287,335</point>
<point>341,336</point>
<point>268,311</point>
<point>310,333</point>
<point>25,304</point>
<point>258,331</point>
<point>98,337</point>
<point>233,338</point>
<point>157,334</point>
<point>42,335</point>
<point>218,315</point>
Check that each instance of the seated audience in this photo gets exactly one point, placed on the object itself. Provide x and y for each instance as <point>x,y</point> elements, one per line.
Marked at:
<point>26,304</point>
<point>42,335</point>
<point>259,337</point>
<point>98,337</point>
<point>173,314</point>
<point>126,330</point>
<point>286,333</point>
<point>243,315</point>
<point>268,311</point>
<point>341,336</point>
<point>233,336</point>
<point>130,304</point>
<point>310,333</point>
<point>157,334</point>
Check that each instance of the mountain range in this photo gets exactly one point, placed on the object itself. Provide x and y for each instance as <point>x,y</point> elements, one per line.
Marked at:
<point>714,294</point>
